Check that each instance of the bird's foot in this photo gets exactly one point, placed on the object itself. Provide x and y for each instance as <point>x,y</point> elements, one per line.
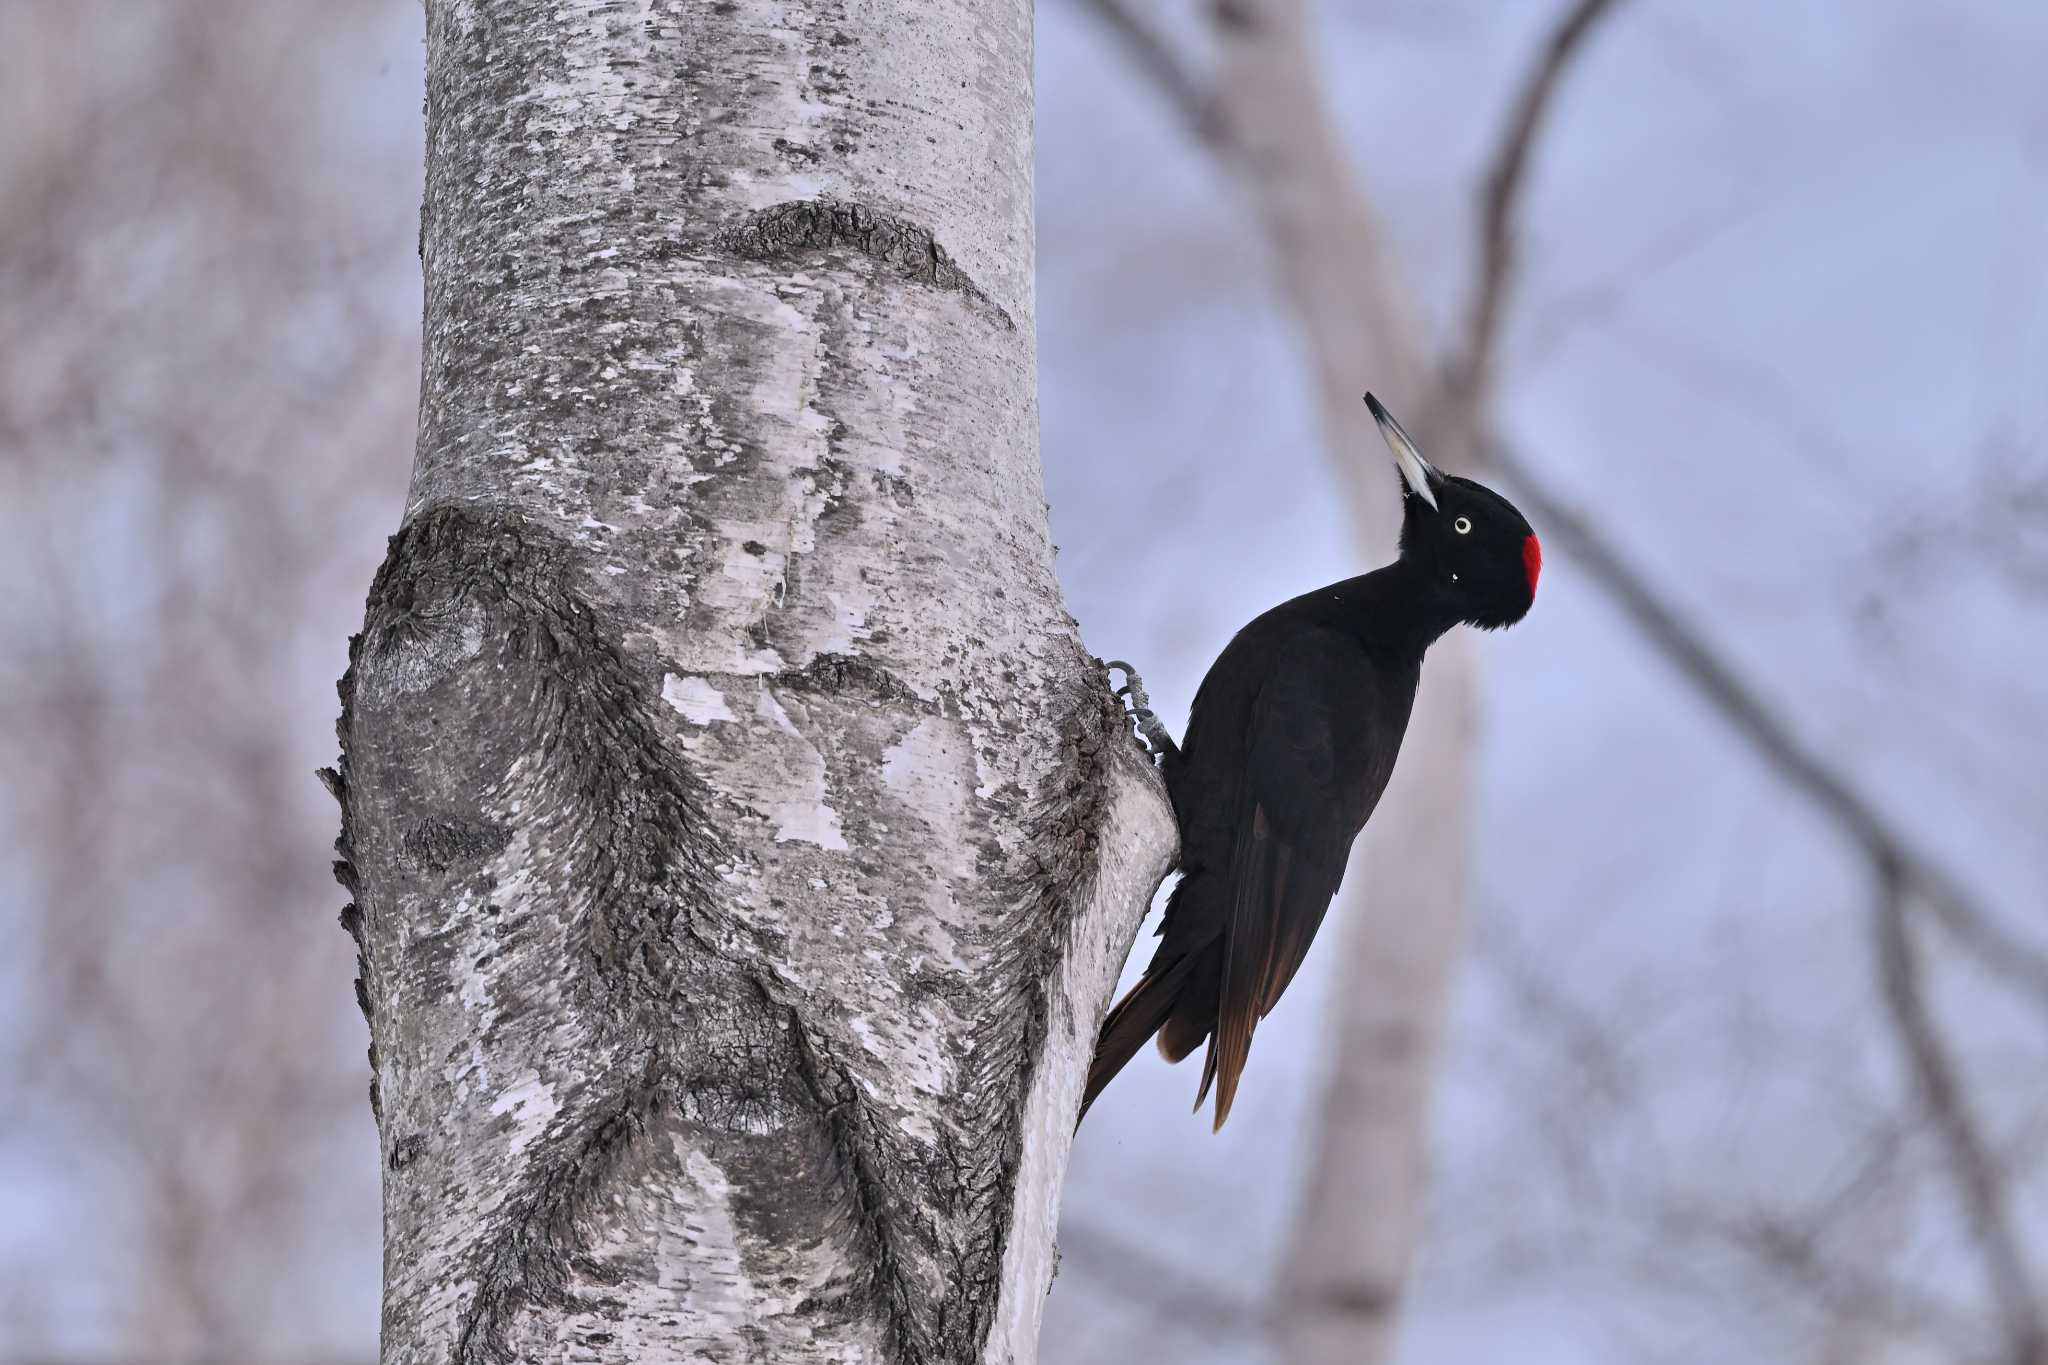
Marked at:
<point>1151,732</point>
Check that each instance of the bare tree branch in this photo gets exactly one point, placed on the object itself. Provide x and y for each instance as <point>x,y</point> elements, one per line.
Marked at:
<point>1272,131</point>
<point>1501,200</point>
<point>1899,867</point>
<point>1770,736</point>
<point>1549,330</point>
<point>1979,1180</point>
<point>1792,1256</point>
<point>1185,94</point>
<point>1970,923</point>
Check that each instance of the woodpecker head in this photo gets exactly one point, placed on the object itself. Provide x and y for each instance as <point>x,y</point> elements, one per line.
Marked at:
<point>1471,545</point>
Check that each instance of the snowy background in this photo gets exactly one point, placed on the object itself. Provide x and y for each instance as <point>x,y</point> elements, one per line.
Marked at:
<point>1781,335</point>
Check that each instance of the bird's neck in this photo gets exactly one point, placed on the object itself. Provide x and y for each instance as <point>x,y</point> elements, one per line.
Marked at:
<point>1396,609</point>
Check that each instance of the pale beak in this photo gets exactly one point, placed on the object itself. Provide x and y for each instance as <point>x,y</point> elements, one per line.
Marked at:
<point>1416,472</point>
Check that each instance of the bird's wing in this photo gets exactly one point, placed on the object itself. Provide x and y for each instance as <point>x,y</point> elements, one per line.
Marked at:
<point>1300,813</point>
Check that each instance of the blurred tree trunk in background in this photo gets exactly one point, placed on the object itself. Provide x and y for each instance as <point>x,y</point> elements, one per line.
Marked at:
<point>1402,927</point>
<point>1361,1210</point>
<point>744,846</point>
<point>1361,1213</point>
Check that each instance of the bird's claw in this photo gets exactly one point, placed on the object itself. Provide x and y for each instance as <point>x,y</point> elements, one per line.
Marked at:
<point>1151,731</point>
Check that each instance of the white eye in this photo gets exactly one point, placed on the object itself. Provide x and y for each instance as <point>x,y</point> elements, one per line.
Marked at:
<point>1463,526</point>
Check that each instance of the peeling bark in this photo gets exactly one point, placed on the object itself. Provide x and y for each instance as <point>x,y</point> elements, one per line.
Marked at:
<point>743,844</point>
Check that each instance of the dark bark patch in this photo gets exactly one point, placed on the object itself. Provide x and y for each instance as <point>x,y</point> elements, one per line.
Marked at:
<point>435,845</point>
<point>858,1160</point>
<point>335,779</point>
<point>407,1150</point>
<point>552,671</point>
<point>538,1241</point>
<point>905,249</point>
<point>840,673</point>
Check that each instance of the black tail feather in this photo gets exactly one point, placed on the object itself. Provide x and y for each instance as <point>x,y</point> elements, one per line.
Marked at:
<point>1135,1018</point>
<point>1194,1011</point>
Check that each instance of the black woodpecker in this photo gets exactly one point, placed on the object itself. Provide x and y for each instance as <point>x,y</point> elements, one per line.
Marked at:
<point>1290,743</point>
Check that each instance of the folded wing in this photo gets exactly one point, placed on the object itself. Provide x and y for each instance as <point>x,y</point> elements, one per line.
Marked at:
<point>1309,761</point>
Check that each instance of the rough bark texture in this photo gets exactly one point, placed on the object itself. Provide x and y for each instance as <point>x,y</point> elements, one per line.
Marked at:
<point>743,845</point>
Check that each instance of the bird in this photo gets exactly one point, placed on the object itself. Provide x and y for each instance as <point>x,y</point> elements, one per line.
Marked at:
<point>1289,745</point>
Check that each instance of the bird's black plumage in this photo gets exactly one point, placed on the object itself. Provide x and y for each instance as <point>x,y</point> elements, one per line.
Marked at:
<point>1290,742</point>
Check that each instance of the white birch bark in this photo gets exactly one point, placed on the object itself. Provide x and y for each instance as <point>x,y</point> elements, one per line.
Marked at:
<point>1401,928</point>
<point>743,844</point>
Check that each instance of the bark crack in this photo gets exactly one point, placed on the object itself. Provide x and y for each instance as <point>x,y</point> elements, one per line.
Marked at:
<point>841,673</point>
<point>905,249</point>
<point>539,1240</point>
<point>849,1128</point>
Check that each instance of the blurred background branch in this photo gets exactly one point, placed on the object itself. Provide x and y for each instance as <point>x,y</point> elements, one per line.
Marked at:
<point>1889,851</point>
<point>1338,285</point>
<point>1501,194</point>
<point>1980,1181</point>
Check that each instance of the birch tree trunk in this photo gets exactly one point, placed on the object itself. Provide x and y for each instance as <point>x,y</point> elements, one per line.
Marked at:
<point>743,845</point>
